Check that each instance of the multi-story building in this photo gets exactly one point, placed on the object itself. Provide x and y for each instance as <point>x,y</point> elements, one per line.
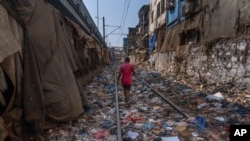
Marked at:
<point>203,38</point>
<point>142,34</point>
<point>125,45</point>
<point>143,27</point>
<point>200,21</point>
<point>131,40</point>
<point>157,23</point>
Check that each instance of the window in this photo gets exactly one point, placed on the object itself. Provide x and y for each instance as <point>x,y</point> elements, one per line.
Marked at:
<point>158,9</point>
<point>140,20</point>
<point>162,6</point>
<point>152,16</point>
<point>190,36</point>
<point>143,19</point>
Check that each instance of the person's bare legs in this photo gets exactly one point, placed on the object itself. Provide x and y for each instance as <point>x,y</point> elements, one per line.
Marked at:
<point>126,94</point>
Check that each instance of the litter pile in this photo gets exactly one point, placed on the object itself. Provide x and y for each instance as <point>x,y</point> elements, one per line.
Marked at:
<point>212,109</point>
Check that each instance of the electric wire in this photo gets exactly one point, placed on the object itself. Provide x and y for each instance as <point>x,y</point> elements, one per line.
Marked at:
<point>123,12</point>
<point>122,26</point>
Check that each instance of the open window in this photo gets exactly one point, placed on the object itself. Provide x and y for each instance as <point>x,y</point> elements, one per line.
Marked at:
<point>187,8</point>
<point>189,37</point>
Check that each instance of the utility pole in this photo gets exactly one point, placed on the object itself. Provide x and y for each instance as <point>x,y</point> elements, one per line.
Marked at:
<point>103,19</point>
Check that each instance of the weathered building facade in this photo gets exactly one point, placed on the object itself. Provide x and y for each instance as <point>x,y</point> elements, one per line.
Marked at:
<point>131,40</point>
<point>141,51</point>
<point>208,39</point>
<point>143,27</point>
<point>157,23</point>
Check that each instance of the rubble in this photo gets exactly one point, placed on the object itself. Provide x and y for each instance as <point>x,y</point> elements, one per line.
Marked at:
<point>211,108</point>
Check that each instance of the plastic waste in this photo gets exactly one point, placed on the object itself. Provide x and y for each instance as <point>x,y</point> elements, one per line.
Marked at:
<point>110,87</point>
<point>145,137</point>
<point>165,124</point>
<point>169,128</point>
<point>132,134</point>
<point>148,126</point>
<point>106,124</point>
<point>220,118</point>
<point>101,78</point>
<point>195,135</point>
<point>200,122</point>
<point>202,105</point>
<point>82,132</point>
<point>215,97</point>
<point>100,134</point>
<point>175,138</point>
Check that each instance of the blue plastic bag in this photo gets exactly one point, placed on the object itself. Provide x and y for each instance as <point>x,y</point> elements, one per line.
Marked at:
<point>200,122</point>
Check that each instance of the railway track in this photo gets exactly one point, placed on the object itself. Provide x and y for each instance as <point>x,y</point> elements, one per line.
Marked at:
<point>152,116</point>
<point>143,123</point>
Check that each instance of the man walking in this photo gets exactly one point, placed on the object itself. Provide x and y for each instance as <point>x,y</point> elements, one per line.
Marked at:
<point>126,71</point>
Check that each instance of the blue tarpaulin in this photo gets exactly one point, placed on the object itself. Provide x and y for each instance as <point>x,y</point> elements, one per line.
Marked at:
<point>151,43</point>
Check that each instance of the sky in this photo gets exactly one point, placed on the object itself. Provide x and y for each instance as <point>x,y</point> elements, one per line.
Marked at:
<point>117,13</point>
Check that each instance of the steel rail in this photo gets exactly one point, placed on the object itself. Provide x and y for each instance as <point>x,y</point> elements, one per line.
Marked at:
<point>118,123</point>
<point>164,98</point>
<point>210,133</point>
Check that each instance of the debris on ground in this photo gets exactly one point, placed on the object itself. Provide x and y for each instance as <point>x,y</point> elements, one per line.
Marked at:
<point>212,109</point>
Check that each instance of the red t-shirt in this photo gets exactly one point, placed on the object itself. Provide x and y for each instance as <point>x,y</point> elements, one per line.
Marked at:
<point>126,71</point>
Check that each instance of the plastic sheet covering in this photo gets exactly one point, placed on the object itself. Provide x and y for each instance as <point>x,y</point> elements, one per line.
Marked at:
<point>98,50</point>
<point>91,44</point>
<point>48,82</point>
<point>11,42</point>
<point>80,32</point>
<point>152,43</point>
<point>8,43</point>
<point>3,87</point>
<point>3,132</point>
<point>171,40</point>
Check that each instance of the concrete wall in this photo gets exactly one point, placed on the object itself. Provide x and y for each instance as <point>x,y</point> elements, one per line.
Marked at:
<point>163,62</point>
<point>221,62</point>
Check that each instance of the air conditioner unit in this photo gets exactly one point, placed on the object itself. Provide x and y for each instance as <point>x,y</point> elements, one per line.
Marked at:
<point>170,4</point>
<point>187,8</point>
